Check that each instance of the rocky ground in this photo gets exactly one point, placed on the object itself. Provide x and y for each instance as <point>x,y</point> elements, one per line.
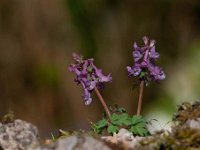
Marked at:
<point>18,135</point>
<point>184,135</point>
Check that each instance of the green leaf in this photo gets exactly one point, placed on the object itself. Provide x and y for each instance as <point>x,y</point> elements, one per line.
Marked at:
<point>116,122</point>
<point>122,110</point>
<point>123,116</point>
<point>133,129</point>
<point>136,119</point>
<point>125,119</point>
<point>141,125</point>
<point>139,130</point>
<point>112,129</point>
<point>102,123</point>
<point>127,122</point>
<point>121,119</point>
<point>96,129</point>
<point>143,131</point>
<point>114,117</point>
<point>138,126</point>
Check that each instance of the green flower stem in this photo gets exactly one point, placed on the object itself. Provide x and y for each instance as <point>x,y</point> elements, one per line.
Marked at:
<point>102,102</point>
<point>140,98</point>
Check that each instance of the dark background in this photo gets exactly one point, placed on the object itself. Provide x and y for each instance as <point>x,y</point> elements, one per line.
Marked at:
<point>37,38</point>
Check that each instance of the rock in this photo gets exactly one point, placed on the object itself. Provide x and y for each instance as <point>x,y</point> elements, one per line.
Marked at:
<point>17,135</point>
<point>124,135</point>
<point>184,134</point>
<point>123,138</point>
<point>76,142</point>
<point>187,111</point>
<point>194,123</point>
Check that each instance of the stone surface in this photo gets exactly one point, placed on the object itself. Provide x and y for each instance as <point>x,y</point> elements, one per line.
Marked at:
<point>124,138</point>
<point>194,123</point>
<point>75,142</point>
<point>184,134</point>
<point>17,135</point>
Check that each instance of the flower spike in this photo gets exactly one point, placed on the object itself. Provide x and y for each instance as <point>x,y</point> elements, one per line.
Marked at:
<point>90,77</point>
<point>144,66</point>
<point>144,62</point>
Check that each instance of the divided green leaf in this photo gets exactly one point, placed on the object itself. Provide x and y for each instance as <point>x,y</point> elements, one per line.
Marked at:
<point>115,119</point>
<point>121,119</point>
<point>139,131</point>
<point>112,129</point>
<point>98,127</point>
<point>125,119</point>
<point>102,123</point>
<point>136,119</point>
<point>135,124</point>
<point>138,126</point>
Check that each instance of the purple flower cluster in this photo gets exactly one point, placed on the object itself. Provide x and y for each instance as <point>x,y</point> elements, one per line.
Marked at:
<point>144,62</point>
<point>88,75</point>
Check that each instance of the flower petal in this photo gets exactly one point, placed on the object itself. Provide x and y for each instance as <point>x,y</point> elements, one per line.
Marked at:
<point>137,55</point>
<point>153,54</point>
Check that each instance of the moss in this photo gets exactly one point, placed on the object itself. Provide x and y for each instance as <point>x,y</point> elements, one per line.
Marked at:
<point>187,111</point>
<point>9,117</point>
<point>181,137</point>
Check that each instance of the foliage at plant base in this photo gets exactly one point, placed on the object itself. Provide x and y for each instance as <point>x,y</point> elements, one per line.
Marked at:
<point>119,119</point>
<point>184,134</point>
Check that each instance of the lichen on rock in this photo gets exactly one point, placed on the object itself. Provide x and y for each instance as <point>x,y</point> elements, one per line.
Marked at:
<point>187,111</point>
<point>75,142</point>
<point>17,135</point>
<point>184,135</point>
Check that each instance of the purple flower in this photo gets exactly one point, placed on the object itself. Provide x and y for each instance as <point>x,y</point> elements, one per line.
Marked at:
<point>156,73</point>
<point>137,55</point>
<point>144,59</point>
<point>153,54</point>
<point>134,70</point>
<point>88,75</point>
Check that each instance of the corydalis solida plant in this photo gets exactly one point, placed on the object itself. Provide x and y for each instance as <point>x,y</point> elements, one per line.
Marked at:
<point>145,67</point>
<point>90,77</point>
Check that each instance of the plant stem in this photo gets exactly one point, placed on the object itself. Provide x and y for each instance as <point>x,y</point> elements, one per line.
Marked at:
<point>102,102</point>
<point>141,88</point>
<point>140,98</point>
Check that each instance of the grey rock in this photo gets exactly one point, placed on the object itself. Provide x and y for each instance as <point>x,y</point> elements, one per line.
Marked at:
<point>124,138</point>
<point>124,135</point>
<point>68,143</point>
<point>194,123</point>
<point>75,142</point>
<point>17,135</point>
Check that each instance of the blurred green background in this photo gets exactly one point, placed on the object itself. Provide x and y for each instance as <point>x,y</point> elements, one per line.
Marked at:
<point>37,38</point>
